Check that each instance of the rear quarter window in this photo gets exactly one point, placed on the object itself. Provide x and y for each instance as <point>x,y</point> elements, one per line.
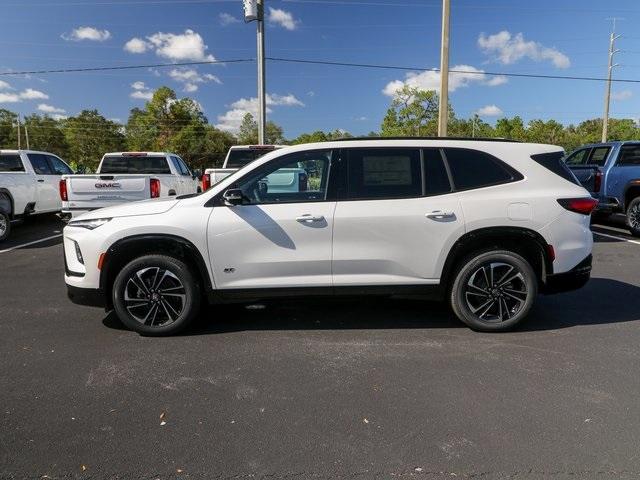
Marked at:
<point>475,169</point>
<point>11,163</point>
<point>553,161</point>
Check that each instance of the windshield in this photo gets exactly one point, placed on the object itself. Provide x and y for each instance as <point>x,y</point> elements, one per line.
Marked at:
<point>135,164</point>
<point>238,158</point>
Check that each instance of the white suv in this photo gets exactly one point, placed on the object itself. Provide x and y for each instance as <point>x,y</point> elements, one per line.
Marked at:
<point>485,224</point>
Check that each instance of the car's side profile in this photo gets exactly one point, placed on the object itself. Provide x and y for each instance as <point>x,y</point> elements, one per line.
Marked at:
<point>484,224</point>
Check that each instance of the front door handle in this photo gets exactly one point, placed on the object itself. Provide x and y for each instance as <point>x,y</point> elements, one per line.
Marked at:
<point>40,180</point>
<point>307,218</point>
<point>440,215</point>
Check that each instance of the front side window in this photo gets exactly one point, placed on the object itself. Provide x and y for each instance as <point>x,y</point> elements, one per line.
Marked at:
<point>58,166</point>
<point>11,163</point>
<point>578,158</point>
<point>135,164</point>
<point>475,169</point>
<point>183,167</point>
<point>599,156</point>
<point>40,164</point>
<point>375,173</point>
<point>629,155</point>
<point>300,177</point>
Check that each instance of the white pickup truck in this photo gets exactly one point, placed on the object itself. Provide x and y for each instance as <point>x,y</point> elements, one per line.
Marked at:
<point>28,185</point>
<point>127,177</point>
<point>237,157</point>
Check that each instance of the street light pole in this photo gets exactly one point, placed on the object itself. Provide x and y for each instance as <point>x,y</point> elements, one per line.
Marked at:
<point>262,102</point>
<point>443,111</point>
<point>607,95</point>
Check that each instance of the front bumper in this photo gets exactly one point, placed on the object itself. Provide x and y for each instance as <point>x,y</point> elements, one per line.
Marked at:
<point>90,297</point>
<point>574,279</point>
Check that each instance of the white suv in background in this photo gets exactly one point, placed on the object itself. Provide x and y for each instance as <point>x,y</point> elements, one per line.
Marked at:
<point>484,224</point>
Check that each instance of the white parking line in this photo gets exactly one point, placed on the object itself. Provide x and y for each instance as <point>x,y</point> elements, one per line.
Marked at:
<point>30,243</point>
<point>616,237</point>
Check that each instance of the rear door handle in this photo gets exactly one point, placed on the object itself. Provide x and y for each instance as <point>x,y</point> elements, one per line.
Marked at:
<point>440,215</point>
<point>308,218</point>
<point>40,180</point>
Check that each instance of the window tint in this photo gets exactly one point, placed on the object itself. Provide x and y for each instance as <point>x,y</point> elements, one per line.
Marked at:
<point>238,158</point>
<point>475,169</point>
<point>58,166</point>
<point>553,161</point>
<point>579,157</point>
<point>135,164</point>
<point>184,170</point>
<point>39,163</point>
<point>11,163</point>
<point>176,165</point>
<point>436,178</point>
<point>599,156</point>
<point>629,155</point>
<point>299,177</point>
<point>384,173</point>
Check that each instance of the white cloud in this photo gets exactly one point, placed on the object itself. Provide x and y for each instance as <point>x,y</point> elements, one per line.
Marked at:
<point>283,18</point>
<point>9,98</point>
<point>508,49</point>
<point>141,91</point>
<point>463,76</point>
<point>232,118</point>
<point>87,33</point>
<point>4,85</point>
<point>136,45</point>
<point>188,46</point>
<point>489,111</point>
<point>191,78</point>
<point>622,95</point>
<point>227,19</point>
<point>31,94</point>
<point>43,107</point>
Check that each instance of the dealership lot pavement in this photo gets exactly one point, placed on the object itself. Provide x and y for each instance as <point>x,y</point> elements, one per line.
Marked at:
<point>362,389</point>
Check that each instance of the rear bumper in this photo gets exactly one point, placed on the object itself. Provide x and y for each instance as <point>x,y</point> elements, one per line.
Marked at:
<point>90,297</point>
<point>572,280</point>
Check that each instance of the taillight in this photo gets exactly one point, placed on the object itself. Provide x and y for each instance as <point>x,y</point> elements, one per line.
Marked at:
<point>303,182</point>
<point>155,187</point>
<point>597,181</point>
<point>579,205</point>
<point>64,196</point>
<point>206,181</point>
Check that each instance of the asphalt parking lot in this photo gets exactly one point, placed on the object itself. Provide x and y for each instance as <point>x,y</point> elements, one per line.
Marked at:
<point>357,389</point>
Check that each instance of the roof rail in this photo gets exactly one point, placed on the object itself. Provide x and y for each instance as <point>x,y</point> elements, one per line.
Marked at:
<point>470,139</point>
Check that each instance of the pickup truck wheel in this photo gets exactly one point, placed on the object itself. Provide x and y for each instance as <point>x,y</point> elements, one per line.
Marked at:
<point>633,217</point>
<point>156,295</point>
<point>5,226</point>
<point>493,291</point>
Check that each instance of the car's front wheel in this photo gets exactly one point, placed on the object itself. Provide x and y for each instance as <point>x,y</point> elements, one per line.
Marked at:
<point>156,295</point>
<point>493,291</point>
<point>633,217</point>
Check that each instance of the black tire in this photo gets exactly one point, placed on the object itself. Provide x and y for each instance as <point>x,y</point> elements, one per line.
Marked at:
<point>5,226</point>
<point>493,291</point>
<point>160,284</point>
<point>633,217</point>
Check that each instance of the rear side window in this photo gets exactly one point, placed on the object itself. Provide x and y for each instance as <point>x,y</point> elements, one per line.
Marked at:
<point>135,164</point>
<point>182,167</point>
<point>599,156</point>
<point>58,166</point>
<point>629,155</point>
<point>553,161</point>
<point>436,177</point>
<point>476,169</point>
<point>11,163</point>
<point>384,173</point>
<point>40,164</point>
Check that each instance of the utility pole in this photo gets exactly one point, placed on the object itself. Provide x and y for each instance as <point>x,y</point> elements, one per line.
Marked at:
<point>18,132</point>
<point>26,134</point>
<point>443,111</point>
<point>262,100</point>
<point>607,96</point>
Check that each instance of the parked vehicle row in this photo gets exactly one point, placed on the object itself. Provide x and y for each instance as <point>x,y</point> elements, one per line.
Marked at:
<point>611,173</point>
<point>485,225</point>
<point>28,185</point>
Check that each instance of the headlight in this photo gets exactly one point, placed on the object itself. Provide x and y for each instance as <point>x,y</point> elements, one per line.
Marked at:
<point>89,224</point>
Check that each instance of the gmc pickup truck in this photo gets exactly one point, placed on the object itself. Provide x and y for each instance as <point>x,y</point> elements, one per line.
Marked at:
<point>28,185</point>
<point>237,157</point>
<point>611,173</point>
<point>126,177</point>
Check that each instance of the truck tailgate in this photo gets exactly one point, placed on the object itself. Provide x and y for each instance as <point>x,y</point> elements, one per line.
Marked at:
<point>102,190</point>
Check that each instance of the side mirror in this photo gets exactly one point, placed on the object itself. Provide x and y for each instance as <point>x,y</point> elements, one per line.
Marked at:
<point>233,196</point>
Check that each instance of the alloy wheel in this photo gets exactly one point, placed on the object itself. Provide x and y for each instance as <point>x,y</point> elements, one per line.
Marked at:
<point>154,296</point>
<point>3,225</point>
<point>633,216</point>
<point>495,292</point>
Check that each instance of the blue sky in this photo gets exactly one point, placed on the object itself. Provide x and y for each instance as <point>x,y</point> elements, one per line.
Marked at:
<point>546,37</point>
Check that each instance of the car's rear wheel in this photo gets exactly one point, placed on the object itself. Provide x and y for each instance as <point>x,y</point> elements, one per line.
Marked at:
<point>633,217</point>
<point>156,295</point>
<point>5,226</point>
<point>493,290</point>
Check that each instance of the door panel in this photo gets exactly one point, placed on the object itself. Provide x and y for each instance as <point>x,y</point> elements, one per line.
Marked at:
<point>271,246</point>
<point>48,197</point>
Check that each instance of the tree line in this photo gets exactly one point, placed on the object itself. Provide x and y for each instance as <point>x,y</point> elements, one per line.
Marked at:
<point>167,123</point>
